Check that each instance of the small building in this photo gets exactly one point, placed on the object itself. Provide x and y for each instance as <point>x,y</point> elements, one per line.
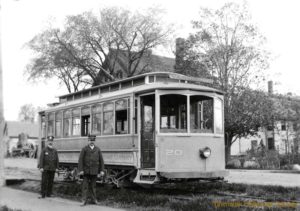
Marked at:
<point>18,134</point>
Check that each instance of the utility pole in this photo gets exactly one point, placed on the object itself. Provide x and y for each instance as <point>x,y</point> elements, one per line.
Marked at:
<point>2,179</point>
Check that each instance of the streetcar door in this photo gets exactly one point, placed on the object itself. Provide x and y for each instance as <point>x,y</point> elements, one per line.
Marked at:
<point>147,131</point>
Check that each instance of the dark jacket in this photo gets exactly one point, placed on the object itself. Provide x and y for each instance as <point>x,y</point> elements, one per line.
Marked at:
<point>90,160</point>
<point>49,159</point>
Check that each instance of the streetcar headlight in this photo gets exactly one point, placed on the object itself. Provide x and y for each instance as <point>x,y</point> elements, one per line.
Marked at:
<point>205,153</point>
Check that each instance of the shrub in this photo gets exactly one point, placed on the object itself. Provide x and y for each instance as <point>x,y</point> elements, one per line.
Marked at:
<point>235,163</point>
<point>296,167</point>
<point>252,164</point>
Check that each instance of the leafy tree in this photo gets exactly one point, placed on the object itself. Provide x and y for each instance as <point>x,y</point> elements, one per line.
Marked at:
<point>228,48</point>
<point>91,49</point>
<point>27,113</point>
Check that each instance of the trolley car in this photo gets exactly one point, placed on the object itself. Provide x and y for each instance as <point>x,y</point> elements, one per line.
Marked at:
<point>151,128</point>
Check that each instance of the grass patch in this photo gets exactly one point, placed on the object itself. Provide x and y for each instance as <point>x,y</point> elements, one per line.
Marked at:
<point>188,196</point>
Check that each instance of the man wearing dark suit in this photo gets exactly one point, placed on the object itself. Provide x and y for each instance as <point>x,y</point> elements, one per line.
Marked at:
<point>91,166</point>
<point>48,165</point>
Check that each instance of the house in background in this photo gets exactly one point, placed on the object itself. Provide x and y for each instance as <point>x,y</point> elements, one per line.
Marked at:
<point>20,134</point>
<point>282,136</point>
<point>140,63</point>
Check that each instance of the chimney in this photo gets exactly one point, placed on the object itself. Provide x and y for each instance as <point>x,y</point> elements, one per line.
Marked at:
<point>179,53</point>
<point>270,87</point>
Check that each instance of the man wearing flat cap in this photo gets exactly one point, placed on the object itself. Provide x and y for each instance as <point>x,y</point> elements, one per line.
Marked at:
<point>48,165</point>
<point>91,166</point>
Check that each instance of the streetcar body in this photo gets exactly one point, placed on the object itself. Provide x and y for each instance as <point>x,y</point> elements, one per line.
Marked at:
<point>151,128</point>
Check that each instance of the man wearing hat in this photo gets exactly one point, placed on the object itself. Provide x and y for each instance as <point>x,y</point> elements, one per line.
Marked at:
<point>91,166</point>
<point>48,165</point>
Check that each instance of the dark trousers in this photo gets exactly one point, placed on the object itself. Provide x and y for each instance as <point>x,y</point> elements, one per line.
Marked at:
<point>89,185</point>
<point>47,182</point>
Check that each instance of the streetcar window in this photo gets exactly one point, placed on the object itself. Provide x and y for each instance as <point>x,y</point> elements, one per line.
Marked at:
<point>85,121</point>
<point>76,122</point>
<point>201,114</point>
<point>58,124</point>
<point>96,119</point>
<point>70,98</point>
<point>85,125</point>
<point>121,117</point>
<point>77,96</point>
<point>95,92</point>
<point>126,84</point>
<point>108,118</point>
<point>151,79</point>
<point>218,116</point>
<point>104,89</point>
<point>67,123</point>
<point>138,81</point>
<point>173,115</point>
<point>135,117</point>
<point>86,94</point>
<point>50,131</point>
<point>114,87</point>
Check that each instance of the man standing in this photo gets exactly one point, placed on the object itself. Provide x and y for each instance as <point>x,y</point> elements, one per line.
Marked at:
<point>90,166</point>
<point>48,165</point>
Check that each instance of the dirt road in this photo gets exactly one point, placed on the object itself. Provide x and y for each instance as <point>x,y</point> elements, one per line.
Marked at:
<point>23,200</point>
<point>21,168</point>
<point>261,177</point>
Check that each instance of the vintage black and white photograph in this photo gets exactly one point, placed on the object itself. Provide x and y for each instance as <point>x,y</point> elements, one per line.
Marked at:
<point>149,105</point>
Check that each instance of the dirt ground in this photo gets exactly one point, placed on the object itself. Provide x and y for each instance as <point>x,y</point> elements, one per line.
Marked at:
<point>18,199</point>
<point>21,168</point>
<point>263,177</point>
<point>26,163</point>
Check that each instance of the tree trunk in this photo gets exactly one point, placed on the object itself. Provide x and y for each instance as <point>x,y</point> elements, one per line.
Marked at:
<point>227,153</point>
<point>228,140</point>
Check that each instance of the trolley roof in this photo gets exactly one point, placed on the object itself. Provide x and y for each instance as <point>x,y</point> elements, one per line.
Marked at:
<point>140,83</point>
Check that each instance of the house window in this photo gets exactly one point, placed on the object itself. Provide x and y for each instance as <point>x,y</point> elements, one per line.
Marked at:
<point>58,124</point>
<point>283,126</point>
<point>122,126</point>
<point>76,122</point>
<point>270,127</point>
<point>295,128</point>
<point>173,114</point>
<point>254,144</point>
<point>50,131</point>
<point>96,119</point>
<point>271,144</point>
<point>67,123</point>
<point>108,118</point>
<point>201,114</point>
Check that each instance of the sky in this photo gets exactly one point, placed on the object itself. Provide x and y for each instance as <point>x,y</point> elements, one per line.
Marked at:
<point>21,20</point>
